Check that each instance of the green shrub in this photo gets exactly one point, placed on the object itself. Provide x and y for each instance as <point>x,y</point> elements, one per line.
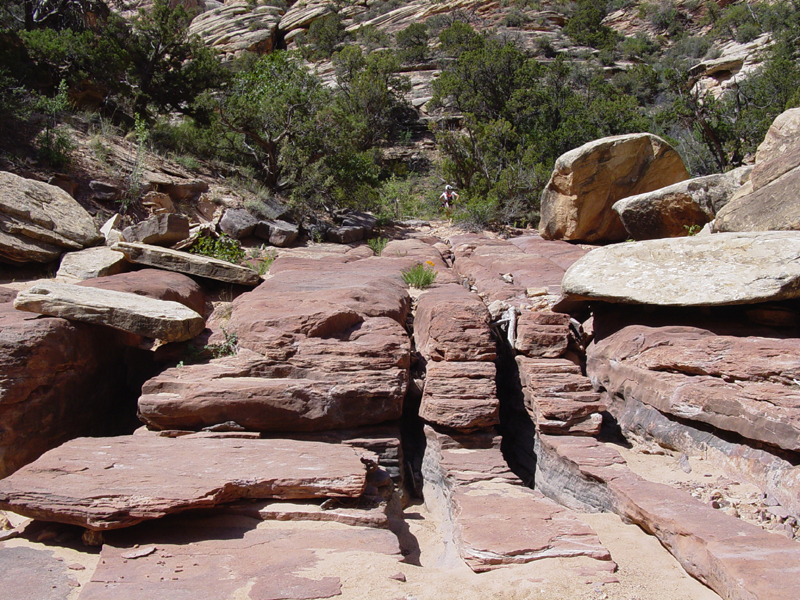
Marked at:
<point>413,42</point>
<point>223,248</point>
<point>420,275</point>
<point>228,347</point>
<point>377,244</point>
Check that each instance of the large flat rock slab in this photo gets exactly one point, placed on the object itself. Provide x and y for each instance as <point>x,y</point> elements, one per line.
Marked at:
<point>744,385</point>
<point>716,270</point>
<point>108,483</point>
<point>226,557</point>
<point>736,559</point>
<point>161,319</point>
<point>190,264</point>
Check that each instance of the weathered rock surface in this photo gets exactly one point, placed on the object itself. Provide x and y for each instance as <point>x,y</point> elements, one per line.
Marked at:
<point>741,385</point>
<point>717,270</point>
<point>587,181</point>
<point>39,221</point>
<point>673,211</point>
<point>737,560</point>
<point>773,474</point>
<point>460,395</point>
<point>238,223</point>
<point>160,319</point>
<point>320,347</point>
<point>558,397</point>
<point>31,573</point>
<point>91,263</point>
<point>190,264</point>
<point>533,265</point>
<point>108,483</point>
<point>217,557</point>
<point>278,233</point>
<point>159,230</point>
<point>236,27</point>
<point>54,384</point>
<point>542,334</point>
<point>451,324</point>
<point>491,519</point>
<point>154,283</point>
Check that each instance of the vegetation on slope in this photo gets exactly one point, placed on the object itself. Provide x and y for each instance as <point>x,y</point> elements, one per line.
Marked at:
<point>319,146</point>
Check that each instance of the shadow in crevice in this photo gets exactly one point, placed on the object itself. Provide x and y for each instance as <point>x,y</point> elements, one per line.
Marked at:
<point>516,427</point>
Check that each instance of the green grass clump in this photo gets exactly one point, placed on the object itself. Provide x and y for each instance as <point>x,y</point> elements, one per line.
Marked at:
<point>420,275</point>
<point>223,248</point>
<point>377,244</point>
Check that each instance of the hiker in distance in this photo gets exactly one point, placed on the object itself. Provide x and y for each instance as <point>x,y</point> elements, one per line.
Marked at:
<point>448,198</point>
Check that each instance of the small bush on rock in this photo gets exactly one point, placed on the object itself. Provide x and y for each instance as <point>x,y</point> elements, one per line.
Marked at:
<point>420,276</point>
<point>223,248</point>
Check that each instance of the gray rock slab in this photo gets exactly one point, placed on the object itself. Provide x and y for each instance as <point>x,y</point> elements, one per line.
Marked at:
<point>159,230</point>
<point>190,264</point>
<point>32,574</point>
<point>716,270</point>
<point>109,483</point>
<point>148,317</point>
<point>91,263</point>
<point>238,223</point>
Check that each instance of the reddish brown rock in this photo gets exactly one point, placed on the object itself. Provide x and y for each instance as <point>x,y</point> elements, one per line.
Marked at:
<point>460,395</point>
<point>558,397</point>
<point>530,262</point>
<point>452,324</point>
<point>7,294</point>
<point>542,334</point>
<point>737,560</point>
<point>155,283</point>
<point>54,383</point>
<point>743,385</point>
<point>217,557</point>
<point>489,518</point>
<point>107,483</point>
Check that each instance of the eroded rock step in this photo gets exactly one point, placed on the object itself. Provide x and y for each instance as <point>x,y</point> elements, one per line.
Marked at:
<point>490,518</point>
<point>737,560</point>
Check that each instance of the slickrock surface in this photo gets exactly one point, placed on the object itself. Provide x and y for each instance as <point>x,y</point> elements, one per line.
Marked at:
<point>492,519</point>
<point>40,221</point>
<point>460,395</point>
<point>587,181</point>
<point>742,385</point>
<point>161,319</point>
<point>226,557</point>
<point>236,27</point>
<point>716,270</point>
<point>108,483</point>
<point>190,264</point>
<point>738,560</point>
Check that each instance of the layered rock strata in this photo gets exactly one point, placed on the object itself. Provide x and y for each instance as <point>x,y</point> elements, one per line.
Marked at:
<point>451,331</point>
<point>737,560</point>
<point>488,518</point>
<point>108,483</point>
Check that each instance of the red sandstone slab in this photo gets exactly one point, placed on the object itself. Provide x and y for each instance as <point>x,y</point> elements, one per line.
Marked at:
<point>225,557</point>
<point>108,483</point>
<point>737,560</point>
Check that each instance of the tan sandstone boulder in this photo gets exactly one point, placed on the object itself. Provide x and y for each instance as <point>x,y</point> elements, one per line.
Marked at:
<point>587,181</point>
